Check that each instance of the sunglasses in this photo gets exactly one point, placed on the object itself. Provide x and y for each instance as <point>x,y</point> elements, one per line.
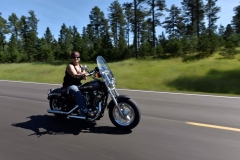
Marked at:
<point>75,57</point>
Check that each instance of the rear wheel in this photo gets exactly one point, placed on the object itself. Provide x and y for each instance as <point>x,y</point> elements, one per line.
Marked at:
<point>130,111</point>
<point>55,105</point>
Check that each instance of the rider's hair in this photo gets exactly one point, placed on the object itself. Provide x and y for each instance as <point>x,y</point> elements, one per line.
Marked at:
<point>74,53</point>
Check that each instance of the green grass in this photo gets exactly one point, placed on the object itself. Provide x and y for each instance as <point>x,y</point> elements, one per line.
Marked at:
<point>211,75</point>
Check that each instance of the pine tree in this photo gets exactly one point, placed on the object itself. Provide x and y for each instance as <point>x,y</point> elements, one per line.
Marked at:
<point>211,11</point>
<point>96,21</point>
<point>14,24</point>
<point>127,7</point>
<point>156,9</point>
<point>231,36</point>
<point>117,23</point>
<point>228,32</point>
<point>14,54</point>
<point>136,24</point>
<point>47,45</point>
<point>29,35</point>
<point>4,30</point>
<point>193,14</point>
<point>45,52</point>
<point>173,23</point>
<point>65,42</point>
<point>98,31</point>
<point>87,45</point>
<point>106,42</point>
<point>76,40</point>
<point>48,36</point>
<point>56,49</point>
<point>209,41</point>
<point>221,30</point>
<point>236,19</point>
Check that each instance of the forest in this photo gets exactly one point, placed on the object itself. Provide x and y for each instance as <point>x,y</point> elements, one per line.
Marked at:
<point>127,31</point>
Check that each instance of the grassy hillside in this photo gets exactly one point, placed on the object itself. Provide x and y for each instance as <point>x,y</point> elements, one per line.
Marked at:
<point>210,75</point>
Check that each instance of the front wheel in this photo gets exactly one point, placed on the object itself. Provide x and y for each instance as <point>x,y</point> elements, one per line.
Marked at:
<point>130,111</point>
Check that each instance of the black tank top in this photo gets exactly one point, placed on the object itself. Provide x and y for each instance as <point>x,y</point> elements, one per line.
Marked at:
<point>68,80</point>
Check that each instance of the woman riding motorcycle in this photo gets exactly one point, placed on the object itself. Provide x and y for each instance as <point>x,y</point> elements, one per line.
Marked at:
<point>73,75</point>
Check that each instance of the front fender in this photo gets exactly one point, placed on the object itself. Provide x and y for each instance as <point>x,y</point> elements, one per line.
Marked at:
<point>111,103</point>
<point>54,92</point>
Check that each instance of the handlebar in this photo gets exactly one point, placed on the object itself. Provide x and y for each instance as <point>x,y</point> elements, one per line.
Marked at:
<point>92,72</point>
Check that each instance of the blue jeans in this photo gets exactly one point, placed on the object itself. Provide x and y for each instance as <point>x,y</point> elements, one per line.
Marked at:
<point>73,90</point>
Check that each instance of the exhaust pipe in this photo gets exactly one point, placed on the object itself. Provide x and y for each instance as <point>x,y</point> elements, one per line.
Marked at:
<point>61,112</point>
<point>74,116</point>
<point>79,117</point>
<point>70,116</point>
<point>58,112</point>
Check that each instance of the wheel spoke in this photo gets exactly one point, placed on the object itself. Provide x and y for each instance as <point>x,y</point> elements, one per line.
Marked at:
<point>54,104</point>
<point>127,112</point>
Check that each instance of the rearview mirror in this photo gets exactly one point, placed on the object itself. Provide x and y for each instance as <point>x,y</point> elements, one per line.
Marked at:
<point>85,67</point>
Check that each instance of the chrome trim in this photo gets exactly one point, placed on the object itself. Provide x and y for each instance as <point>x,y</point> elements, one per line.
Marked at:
<point>109,82</point>
<point>115,92</point>
<point>99,111</point>
<point>54,94</point>
<point>129,115</point>
<point>79,117</point>
<point>49,91</point>
<point>115,101</point>
<point>61,112</point>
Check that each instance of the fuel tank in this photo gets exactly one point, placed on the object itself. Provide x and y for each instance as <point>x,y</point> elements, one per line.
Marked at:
<point>92,85</point>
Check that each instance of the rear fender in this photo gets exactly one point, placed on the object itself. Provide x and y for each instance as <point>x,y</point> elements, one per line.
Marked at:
<point>54,92</point>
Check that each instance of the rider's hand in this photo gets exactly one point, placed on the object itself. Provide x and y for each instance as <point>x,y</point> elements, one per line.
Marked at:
<point>85,76</point>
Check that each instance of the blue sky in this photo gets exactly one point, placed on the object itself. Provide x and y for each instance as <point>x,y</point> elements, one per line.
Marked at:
<point>53,13</point>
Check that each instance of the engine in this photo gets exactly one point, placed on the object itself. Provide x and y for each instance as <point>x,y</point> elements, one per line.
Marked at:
<point>92,100</point>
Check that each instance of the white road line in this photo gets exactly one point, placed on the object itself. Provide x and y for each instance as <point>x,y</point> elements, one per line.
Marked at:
<point>187,94</point>
<point>27,82</point>
<point>22,99</point>
<point>158,92</point>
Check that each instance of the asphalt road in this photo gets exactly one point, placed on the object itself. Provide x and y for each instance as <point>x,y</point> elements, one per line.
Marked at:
<point>172,127</point>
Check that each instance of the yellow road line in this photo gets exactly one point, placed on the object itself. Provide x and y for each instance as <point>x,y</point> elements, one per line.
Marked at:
<point>214,126</point>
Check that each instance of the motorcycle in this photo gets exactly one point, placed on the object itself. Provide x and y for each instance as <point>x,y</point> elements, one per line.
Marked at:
<point>122,110</point>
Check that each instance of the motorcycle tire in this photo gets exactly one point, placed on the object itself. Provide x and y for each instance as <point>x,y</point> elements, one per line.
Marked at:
<point>53,106</point>
<point>129,109</point>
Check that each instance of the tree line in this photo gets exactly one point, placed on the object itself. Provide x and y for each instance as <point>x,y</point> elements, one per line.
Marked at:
<point>128,30</point>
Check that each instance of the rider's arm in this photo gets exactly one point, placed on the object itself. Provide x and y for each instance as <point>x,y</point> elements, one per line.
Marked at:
<point>85,75</point>
<point>71,70</point>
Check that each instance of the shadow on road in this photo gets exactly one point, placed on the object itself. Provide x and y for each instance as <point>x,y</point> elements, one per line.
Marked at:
<point>46,124</point>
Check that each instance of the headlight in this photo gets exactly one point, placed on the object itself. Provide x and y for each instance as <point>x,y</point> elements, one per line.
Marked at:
<point>112,83</point>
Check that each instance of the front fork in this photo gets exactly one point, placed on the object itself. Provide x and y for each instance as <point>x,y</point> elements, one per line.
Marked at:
<point>113,93</point>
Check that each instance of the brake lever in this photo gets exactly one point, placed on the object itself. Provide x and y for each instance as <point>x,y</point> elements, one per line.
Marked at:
<point>90,73</point>
<point>87,74</point>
